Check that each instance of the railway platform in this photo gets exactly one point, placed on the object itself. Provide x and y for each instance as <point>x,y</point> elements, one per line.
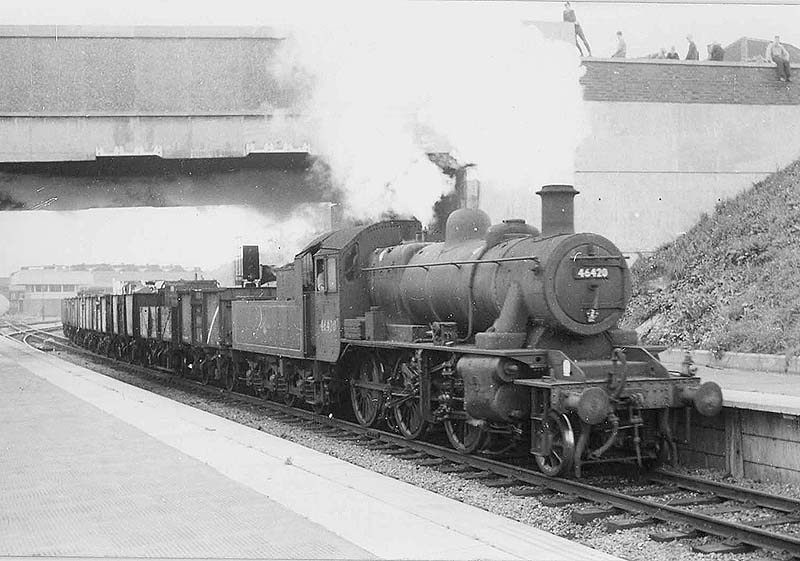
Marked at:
<point>758,433</point>
<point>93,467</point>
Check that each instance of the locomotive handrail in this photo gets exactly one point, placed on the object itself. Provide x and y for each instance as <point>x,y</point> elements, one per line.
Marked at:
<point>454,263</point>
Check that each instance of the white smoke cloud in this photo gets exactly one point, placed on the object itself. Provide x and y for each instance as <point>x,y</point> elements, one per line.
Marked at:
<point>492,90</point>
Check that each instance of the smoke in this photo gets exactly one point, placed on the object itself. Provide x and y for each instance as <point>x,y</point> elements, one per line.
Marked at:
<point>401,80</point>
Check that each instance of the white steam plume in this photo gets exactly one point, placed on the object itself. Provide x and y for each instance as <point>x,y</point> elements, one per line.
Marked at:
<point>490,89</point>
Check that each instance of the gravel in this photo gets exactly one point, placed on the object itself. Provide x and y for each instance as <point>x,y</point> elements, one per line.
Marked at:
<point>634,544</point>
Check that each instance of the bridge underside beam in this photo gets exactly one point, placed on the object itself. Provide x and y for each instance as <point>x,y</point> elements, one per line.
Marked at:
<point>63,138</point>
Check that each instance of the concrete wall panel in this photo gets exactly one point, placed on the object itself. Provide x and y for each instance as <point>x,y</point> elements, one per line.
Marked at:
<point>761,472</point>
<point>771,452</point>
<point>648,171</point>
<point>111,75</point>
<point>762,424</point>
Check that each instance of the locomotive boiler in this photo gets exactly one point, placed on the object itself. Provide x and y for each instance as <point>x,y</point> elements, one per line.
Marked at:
<point>502,337</point>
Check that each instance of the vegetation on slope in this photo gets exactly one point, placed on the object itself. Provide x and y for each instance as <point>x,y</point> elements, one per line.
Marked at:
<point>732,283</point>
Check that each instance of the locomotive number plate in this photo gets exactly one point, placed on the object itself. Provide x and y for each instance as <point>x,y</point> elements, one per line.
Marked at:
<point>590,273</point>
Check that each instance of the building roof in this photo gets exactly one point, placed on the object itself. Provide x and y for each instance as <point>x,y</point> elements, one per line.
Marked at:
<point>51,276</point>
<point>749,49</point>
<point>98,275</point>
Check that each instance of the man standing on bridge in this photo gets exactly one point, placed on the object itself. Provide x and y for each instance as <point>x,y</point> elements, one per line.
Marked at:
<point>569,17</point>
<point>778,54</point>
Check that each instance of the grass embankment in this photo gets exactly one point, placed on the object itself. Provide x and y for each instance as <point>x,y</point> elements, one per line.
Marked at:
<point>732,283</point>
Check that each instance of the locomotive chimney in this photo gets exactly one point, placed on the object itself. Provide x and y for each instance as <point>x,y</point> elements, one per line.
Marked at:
<point>467,186</point>
<point>557,209</point>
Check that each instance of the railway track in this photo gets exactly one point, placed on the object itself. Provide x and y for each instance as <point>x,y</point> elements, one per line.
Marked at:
<point>743,518</point>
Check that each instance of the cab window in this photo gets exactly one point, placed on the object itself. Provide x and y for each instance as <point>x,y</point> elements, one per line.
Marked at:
<point>325,274</point>
<point>331,272</point>
<point>319,275</point>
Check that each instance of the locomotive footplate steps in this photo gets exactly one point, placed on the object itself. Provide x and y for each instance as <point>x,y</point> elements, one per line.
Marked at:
<point>207,487</point>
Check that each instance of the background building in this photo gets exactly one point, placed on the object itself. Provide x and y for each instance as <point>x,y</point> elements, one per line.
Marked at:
<point>38,291</point>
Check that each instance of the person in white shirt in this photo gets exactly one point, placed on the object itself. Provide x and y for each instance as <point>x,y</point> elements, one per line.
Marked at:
<point>622,48</point>
<point>778,54</point>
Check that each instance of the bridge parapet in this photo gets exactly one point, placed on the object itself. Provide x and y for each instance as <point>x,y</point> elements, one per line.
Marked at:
<point>671,81</point>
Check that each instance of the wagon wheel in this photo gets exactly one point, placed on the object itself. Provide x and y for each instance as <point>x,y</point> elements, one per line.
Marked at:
<point>465,435</point>
<point>558,431</point>
<point>231,377</point>
<point>407,407</point>
<point>173,361</point>
<point>136,353</point>
<point>289,399</point>
<point>184,364</point>
<point>206,371</point>
<point>321,408</point>
<point>367,403</point>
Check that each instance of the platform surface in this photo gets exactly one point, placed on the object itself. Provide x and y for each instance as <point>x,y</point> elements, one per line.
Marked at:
<point>93,467</point>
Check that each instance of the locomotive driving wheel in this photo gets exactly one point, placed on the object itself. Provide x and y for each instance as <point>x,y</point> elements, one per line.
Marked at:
<point>558,431</point>
<point>465,435</point>
<point>407,402</point>
<point>367,402</point>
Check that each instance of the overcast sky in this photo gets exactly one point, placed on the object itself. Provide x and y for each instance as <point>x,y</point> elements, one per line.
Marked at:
<point>646,25</point>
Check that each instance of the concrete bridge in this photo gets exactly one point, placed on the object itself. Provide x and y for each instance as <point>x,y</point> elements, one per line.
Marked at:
<point>77,94</point>
<point>668,138</point>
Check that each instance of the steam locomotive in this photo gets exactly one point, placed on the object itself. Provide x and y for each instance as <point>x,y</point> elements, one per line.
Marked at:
<point>499,336</point>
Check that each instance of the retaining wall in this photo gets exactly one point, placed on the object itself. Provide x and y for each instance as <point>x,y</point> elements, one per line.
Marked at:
<point>753,444</point>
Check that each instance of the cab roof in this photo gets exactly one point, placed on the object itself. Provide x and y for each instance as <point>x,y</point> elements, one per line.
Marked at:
<point>339,239</point>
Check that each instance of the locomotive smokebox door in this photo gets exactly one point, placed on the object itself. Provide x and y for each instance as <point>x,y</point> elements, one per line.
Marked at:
<point>326,307</point>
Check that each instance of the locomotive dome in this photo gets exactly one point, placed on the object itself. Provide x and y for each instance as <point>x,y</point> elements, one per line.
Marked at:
<point>466,224</point>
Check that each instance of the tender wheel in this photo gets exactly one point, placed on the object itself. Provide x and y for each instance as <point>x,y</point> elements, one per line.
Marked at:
<point>562,446</point>
<point>268,376</point>
<point>465,435</point>
<point>367,403</point>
